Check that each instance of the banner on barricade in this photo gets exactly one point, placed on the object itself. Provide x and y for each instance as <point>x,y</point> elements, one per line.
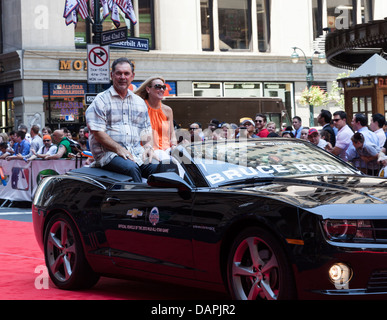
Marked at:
<point>22,178</point>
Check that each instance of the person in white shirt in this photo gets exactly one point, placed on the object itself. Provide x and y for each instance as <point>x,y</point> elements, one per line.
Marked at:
<point>47,149</point>
<point>377,123</point>
<point>343,137</point>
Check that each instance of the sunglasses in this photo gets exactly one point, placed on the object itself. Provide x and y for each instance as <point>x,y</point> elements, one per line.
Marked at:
<point>258,121</point>
<point>335,120</point>
<point>47,140</point>
<point>159,86</point>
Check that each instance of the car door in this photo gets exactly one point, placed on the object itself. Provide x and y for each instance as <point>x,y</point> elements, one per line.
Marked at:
<point>149,229</point>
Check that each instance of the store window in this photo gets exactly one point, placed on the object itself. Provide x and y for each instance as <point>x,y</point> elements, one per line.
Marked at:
<point>263,25</point>
<point>339,14</point>
<point>145,23</point>
<point>234,25</point>
<point>242,89</point>
<point>64,104</point>
<point>207,24</point>
<point>207,89</point>
<point>6,108</point>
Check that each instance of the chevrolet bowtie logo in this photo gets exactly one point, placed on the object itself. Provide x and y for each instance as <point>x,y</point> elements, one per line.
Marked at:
<point>134,213</point>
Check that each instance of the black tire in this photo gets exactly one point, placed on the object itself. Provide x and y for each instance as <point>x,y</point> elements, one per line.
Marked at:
<point>65,259</point>
<point>257,268</point>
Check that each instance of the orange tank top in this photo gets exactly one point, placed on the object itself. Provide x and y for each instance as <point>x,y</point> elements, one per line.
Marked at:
<point>160,126</point>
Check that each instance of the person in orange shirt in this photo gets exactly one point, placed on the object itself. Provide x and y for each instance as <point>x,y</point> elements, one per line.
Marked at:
<point>161,115</point>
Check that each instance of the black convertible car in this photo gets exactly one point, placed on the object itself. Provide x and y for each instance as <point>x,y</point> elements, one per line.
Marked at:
<point>264,219</point>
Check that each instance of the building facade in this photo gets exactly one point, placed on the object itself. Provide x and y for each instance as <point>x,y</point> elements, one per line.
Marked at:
<point>201,47</point>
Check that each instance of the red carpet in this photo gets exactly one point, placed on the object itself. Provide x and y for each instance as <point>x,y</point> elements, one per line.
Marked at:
<point>23,275</point>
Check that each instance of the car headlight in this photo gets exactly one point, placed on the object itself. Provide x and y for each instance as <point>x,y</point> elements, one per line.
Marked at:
<point>344,230</point>
<point>340,274</point>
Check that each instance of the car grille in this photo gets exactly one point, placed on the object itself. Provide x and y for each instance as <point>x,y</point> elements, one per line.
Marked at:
<point>378,281</point>
<point>379,231</point>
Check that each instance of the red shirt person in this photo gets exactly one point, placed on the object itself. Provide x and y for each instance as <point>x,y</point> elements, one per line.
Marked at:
<point>260,125</point>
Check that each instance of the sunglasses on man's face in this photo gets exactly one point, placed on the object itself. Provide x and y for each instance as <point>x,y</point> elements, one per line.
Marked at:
<point>159,86</point>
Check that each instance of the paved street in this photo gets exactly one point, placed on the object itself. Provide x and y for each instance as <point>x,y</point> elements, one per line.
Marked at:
<point>16,214</point>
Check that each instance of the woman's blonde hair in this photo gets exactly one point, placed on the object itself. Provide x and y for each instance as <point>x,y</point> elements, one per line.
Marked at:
<point>141,91</point>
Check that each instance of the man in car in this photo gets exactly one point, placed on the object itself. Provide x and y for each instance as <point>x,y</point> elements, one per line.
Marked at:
<point>120,129</point>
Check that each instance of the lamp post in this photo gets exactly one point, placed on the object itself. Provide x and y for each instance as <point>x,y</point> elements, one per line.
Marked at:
<point>309,73</point>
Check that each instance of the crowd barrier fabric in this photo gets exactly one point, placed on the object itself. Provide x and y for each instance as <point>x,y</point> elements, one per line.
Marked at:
<point>21,178</point>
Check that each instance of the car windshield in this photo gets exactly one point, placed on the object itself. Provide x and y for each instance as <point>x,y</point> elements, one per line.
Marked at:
<point>231,161</point>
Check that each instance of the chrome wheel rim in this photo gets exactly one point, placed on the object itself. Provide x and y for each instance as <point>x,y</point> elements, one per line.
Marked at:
<point>255,271</point>
<point>61,255</point>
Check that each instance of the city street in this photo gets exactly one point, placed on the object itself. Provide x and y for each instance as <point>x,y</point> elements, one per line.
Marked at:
<point>23,274</point>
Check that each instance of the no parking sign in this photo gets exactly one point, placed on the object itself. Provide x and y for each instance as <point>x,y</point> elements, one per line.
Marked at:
<point>98,64</point>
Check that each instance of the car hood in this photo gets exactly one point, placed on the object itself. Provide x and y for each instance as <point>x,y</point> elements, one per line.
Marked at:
<point>315,193</point>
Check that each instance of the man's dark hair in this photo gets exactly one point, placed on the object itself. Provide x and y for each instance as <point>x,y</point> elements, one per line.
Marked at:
<point>379,118</point>
<point>3,145</point>
<point>21,134</point>
<point>262,116</point>
<point>360,117</point>
<point>297,118</point>
<point>122,60</point>
<point>341,114</point>
<point>326,115</point>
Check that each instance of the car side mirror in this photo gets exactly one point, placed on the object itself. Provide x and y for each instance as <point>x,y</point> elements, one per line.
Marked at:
<point>171,180</point>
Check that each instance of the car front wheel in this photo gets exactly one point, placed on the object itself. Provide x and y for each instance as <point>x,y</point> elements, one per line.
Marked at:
<point>65,259</point>
<point>257,268</point>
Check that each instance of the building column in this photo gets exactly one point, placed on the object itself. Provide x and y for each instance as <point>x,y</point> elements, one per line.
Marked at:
<point>29,103</point>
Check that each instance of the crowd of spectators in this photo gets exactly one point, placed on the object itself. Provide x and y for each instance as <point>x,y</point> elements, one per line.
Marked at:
<point>353,140</point>
<point>42,144</point>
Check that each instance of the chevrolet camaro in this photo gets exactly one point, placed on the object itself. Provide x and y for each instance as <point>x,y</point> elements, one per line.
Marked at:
<point>266,218</point>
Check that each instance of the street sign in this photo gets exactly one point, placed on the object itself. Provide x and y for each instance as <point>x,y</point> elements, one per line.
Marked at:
<point>115,35</point>
<point>89,98</point>
<point>98,64</point>
<point>133,43</point>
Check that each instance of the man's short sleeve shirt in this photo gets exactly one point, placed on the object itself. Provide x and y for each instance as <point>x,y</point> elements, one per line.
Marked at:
<point>124,120</point>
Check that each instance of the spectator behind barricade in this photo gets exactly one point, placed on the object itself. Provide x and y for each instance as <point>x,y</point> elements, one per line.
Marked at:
<point>81,132</point>
<point>63,146</point>
<point>161,116</point>
<point>23,127</point>
<point>213,125</point>
<point>260,125</point>
<point>297,125</point>
<point>21,147</point>
<point>368,152</point>
<point>304,133</point>
<point>247,129</point>
<point>343,137</point>
<point>324,119</point>
<point>46,130</point>
<point>227,132</point>
<point>271,127</point>
<point>315,138</point>
<point>287,134</point>
<point>3,150</point>
<point>36,140</point>
<point>376,125</point>
<point>359,124</point>
<point>195,131</point>
<point>48,148</point>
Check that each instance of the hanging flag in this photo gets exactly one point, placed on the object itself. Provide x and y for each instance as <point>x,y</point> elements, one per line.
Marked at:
<point>70,6</point>
<point>82,8</point>
<point>72,18</point>
<point>130,12</point>
<point>115,15</point>
<point>105,8</point>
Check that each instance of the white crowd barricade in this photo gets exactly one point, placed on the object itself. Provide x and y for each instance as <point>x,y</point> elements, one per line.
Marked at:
<point>22,178</point>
